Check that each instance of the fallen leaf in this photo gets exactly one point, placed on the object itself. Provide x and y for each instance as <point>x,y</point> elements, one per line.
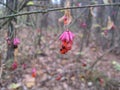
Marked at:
<point>14,86</point>
<point>73,78</point>
<point>29,81</point>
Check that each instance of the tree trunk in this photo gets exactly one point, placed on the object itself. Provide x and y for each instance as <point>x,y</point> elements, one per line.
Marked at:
<point>10,51</point>
<point>28,16</point>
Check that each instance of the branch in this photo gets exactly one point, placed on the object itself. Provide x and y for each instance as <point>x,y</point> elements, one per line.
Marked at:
<point>42,6</point>
<point>23,4</point>
<point>1,71</point>
<point>57,9</point>
<point>77,18</point>
<point>5,22</point>
<point>20,8</point>
<point>100,57</point>
<point>7,7</point>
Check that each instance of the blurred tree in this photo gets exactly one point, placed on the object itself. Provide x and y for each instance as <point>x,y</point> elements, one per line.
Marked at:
<point>12,4</point>
<point>44,17</point>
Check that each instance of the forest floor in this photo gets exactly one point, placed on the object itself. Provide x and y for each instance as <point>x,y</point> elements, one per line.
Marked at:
<point>56,71</point>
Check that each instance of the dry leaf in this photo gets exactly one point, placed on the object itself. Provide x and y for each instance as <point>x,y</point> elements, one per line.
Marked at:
<point>29,81</point>
<point>14,86</point>
<point>67,18</point>
<point>16,53</point>
<point>93,11</point>
<point>64,62</point>
<point>73,78</point>
<point>110,24</point>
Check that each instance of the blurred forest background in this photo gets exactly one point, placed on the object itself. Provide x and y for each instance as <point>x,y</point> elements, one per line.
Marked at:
<point>92,64</point>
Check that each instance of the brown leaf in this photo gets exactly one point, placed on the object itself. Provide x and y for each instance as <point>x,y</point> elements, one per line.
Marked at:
<point>67,18</point>
<point>29,81</point>
<point>110,23</point>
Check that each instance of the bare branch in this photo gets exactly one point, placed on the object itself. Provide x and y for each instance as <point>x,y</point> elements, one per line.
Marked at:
<point>8,7</point>
<point>100,57</point>
<point>57,9</point>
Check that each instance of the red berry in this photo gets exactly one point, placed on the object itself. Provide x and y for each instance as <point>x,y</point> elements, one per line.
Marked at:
<point>14,65</point>
<point>65,18</point>
<point>59,77</point>
<point>34,72</point>
<point>101,81</point>
<point>84,64</point>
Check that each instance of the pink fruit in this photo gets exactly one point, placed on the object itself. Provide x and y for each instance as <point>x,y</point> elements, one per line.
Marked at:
<point>14,65</point>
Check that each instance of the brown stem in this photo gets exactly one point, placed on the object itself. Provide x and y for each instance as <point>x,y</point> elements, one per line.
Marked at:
<point>57,9</point>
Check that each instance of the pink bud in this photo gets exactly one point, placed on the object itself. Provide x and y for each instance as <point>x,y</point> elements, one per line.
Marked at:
<point>16,41</point>
<point>14,65</point>
<point>79,4</point>
<point>8,41</point>
<point>65,18</point>
<point>83,25</point>
<point>106,32</point>
<point>66,36</point>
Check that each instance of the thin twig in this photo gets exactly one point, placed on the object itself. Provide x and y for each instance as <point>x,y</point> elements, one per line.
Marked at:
<point>23,4</point>
<point>1,70</point>
<point>76,18</point>
<point>8,7</point>
<point>9,19</point>
<point>100,57</point>
<point>57,9</point>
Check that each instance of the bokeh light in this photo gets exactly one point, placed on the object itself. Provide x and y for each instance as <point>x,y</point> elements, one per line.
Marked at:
<point>56,1</point>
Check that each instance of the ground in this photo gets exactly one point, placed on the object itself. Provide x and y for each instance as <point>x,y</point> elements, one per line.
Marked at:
<point>55,71</point>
